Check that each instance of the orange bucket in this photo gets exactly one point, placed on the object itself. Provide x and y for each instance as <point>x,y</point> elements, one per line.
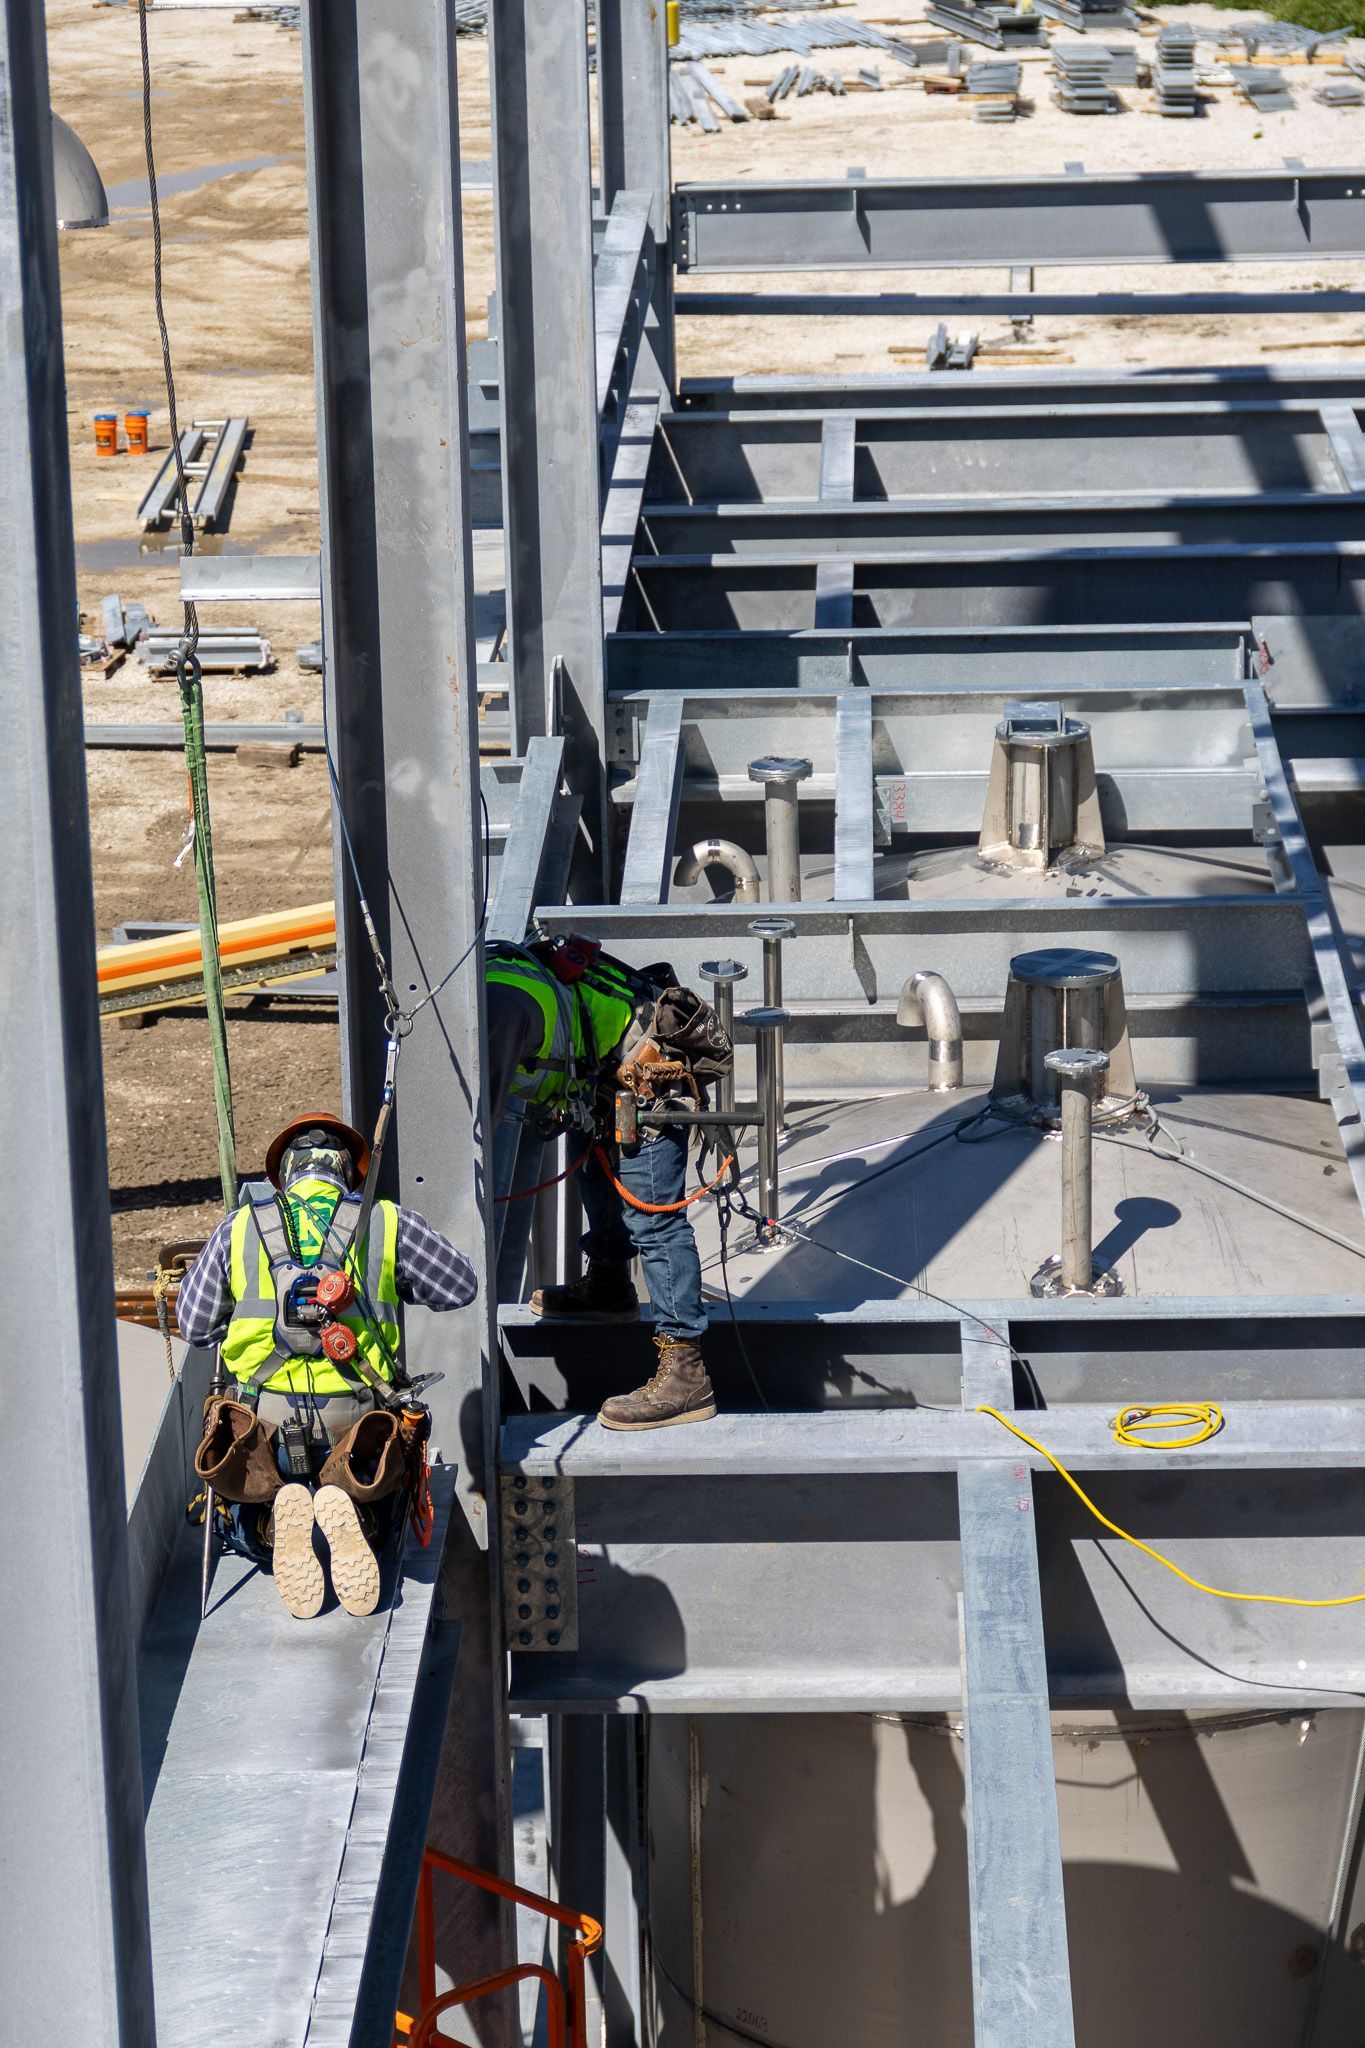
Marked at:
<point>135,427</point>
<point>106,433</point>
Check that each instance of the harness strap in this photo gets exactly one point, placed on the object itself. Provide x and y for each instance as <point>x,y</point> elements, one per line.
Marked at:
<point>268,1214</point>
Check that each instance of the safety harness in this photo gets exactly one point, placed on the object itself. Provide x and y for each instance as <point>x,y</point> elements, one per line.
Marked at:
<point>311,1296</point>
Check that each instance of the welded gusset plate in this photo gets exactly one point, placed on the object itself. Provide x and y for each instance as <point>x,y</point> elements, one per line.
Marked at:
<point>539,1562</point>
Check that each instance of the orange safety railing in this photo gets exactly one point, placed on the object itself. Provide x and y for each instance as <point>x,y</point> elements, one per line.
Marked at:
<point>566,2016</point>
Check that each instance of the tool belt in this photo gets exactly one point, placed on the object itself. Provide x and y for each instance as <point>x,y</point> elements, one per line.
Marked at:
<point>236,1458</point>
<point>677,1045</point>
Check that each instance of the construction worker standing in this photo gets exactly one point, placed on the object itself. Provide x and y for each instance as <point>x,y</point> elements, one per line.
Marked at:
<point>561,1015</point>
<point>300,1287</point>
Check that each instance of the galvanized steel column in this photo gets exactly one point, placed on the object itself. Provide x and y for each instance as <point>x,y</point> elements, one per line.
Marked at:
<point>552,487</point>
<point>634,148</point>
<point>73,1933</point>
<point>383,146</point>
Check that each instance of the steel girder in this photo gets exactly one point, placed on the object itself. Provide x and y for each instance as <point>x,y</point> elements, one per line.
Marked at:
<point>960,224</point>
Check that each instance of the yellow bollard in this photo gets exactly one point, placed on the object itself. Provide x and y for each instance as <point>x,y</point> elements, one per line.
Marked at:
<point>671,18</point>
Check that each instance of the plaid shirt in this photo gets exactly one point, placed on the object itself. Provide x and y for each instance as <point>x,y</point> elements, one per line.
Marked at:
<point>428,1271</point>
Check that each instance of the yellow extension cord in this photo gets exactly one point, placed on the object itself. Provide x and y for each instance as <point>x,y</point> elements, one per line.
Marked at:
<point>1131,1427</point>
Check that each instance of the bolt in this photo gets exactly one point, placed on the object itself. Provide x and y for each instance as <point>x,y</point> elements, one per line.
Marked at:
<point>523,1585</point>
<point>552,1637</point>
<point>525,1636</point>
<point>524,1613</point>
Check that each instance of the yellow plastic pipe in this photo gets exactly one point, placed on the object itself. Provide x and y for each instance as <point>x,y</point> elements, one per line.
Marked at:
<point>149,963</point>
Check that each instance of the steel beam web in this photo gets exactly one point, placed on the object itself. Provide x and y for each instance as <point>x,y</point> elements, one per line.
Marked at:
<point>956,224</point>
<point>383,146</point>
<point>542,183</point>
<point>75,1927</point>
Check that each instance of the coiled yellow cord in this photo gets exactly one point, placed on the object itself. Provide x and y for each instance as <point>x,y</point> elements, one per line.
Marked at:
<point>1142,1427</point>
<point>1126,1418</point>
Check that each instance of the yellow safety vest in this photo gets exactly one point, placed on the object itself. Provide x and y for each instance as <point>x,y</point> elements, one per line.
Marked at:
<point>583,1021</point>
<point>373,1317</point>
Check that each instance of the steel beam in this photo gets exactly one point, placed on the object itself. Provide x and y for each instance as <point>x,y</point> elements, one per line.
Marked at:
<point>654,819</point>
<point>1010,522</point>
<point>1061,586</point>
<point>538,55</point>
<point>904,658</point>
<point>250,579</point>
<point>1348,443</point>
<point>383,149</point>
<point>635,152</point>
<point>1257,1436</point>
<point>853,875</point>
<point>1343,1068</point>
<point>1163,450</point>
<point>944,391</point>
<point>620,298</point>
<point>522,869</point>
<point>1232,944</point>
<point>75,1925</point>
<point>621,509</point>
<point>947,224</point>
<point>1009,305</point>
<point>1021,1980</point>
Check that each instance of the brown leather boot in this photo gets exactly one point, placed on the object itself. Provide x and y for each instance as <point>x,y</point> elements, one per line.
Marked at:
<point>680,1391</point>
<point>606,1293</point>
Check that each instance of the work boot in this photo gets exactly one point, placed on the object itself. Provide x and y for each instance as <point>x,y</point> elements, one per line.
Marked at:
<point>298,1572</point>
<point>355,1568</point>
<point>606,1293</point>
<point>680,1391</point>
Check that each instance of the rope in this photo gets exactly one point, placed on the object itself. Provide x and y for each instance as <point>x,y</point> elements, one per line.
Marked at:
<point>191,632</point>
<point>192,714</point>
<point>661,1208</point>
<point>1217,1592</point>
<point>162,1285</point>
<point>190,681</point>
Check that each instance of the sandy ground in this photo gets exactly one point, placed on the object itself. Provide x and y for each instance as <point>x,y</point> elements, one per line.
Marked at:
<point>228,119</point>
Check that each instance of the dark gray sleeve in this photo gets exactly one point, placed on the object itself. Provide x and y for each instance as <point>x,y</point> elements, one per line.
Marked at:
<point>515,1030</point>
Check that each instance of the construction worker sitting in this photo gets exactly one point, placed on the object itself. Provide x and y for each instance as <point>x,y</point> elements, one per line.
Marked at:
<point>560,1013</point>
<point>301,1287</point>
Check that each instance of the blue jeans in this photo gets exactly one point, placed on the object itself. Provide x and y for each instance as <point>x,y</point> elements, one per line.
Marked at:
<point>655,1170</point>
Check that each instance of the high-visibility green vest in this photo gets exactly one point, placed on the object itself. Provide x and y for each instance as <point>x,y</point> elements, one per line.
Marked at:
<point>372,1265</point>
<point>582,1022</point>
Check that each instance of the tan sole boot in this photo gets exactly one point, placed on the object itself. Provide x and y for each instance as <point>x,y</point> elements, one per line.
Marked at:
<point>355,1568</point>
<point>298,1569</point>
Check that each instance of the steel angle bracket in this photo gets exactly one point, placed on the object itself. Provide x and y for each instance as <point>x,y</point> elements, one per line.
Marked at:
<point>539,1562</point>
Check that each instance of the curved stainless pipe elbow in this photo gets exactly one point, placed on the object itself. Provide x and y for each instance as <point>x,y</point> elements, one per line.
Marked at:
<point>722,853</point>
<point>927,999</point>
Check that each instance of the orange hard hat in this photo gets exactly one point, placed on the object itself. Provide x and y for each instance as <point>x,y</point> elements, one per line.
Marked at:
<point>317,1120</point>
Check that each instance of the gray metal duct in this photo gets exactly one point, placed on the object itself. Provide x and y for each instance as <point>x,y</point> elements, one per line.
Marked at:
<point>81,199</point>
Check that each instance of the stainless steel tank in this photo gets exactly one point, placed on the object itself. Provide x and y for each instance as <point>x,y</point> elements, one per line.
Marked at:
<point>808,1880</point>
